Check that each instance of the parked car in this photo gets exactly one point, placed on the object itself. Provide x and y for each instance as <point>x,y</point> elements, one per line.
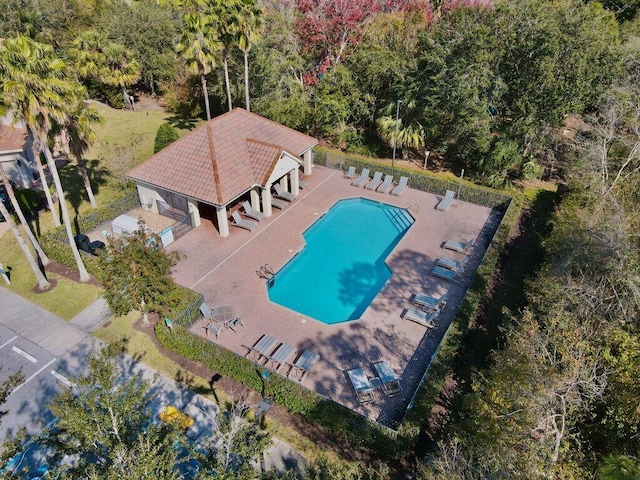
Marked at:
<point>4,197</point>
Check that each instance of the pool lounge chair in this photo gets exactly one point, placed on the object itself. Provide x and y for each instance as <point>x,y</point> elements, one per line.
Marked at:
<point>386,185</point>
<point>460,247</point>
<point>262,347</point>
<point>362,179</point>
<point>446,201</point>
<point>427,302</point>
<point>288,196</point>
<point>390,380</point>
<point>375,183</point>
<point>365,390</point>
<point>251,213</point>
<point>445,273</point>
<point>402,185</point>
<point>303,184</point>
<point>452,264</point>
<point>280,356</point>
<point>238,221</point>
<point>279,204</point>
<point>303,364</point>
<point>418,316</point>
<point>351,173</point>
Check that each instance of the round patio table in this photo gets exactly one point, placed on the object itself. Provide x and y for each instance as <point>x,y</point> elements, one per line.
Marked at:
<point>223,313</point>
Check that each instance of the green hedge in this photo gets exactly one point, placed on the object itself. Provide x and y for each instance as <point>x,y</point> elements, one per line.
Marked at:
<point>297,399</point>
<point>478,195</point>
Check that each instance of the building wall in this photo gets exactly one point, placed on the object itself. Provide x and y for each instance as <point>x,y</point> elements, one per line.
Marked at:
<point>17,168</point>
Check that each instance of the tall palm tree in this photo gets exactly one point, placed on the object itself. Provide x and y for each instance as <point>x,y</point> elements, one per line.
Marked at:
<point>197,45</point>
<point>249,28</point>
<point>23,221</point>
<point>43,283</point>
<point>120,69</point>
<point>80,126</point>
<point>406,134</point>
<point>35,89</point>
<point>223,14</point>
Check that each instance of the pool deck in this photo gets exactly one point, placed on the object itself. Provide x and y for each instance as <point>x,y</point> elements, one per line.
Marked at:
<point>224,270</point>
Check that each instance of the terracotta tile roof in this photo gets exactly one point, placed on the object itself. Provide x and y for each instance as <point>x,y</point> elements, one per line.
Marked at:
<point>12,138</point>
<point>223,158</point>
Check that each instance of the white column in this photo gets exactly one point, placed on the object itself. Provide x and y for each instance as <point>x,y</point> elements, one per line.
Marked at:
<point>284,183</point>
<point>223,221</point>
<point>195,213</point>
<point>255,199</point>
<point>307,162</point>
<point>266,201</point>
<point>295,181</point>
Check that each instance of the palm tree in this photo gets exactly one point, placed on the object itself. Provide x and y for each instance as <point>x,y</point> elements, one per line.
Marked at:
<point>43,283</point>
<point>405,135</point>
<point>120,69</point>
<point>23,221</point>
<point>249,28</point>
<point>224,15</point>
<point>80,127</point>
<point>197,45</point>
<point>35,89</point>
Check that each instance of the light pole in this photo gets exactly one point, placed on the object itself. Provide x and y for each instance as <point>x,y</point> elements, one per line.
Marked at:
<point>395,136</point>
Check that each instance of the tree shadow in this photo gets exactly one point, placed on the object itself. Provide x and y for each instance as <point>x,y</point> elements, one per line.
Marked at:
<point>73,184</point>
<point>182,123</point>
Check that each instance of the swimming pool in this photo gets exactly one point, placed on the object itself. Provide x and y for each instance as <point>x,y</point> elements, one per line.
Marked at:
<point>342,267</point>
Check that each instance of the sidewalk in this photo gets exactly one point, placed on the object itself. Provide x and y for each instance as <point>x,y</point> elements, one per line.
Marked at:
<point>63,347</point>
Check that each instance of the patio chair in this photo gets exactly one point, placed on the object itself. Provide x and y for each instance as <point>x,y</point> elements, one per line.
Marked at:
<point>233,324</point>
<point>445,273</point>
<point>456,266</point>
<point>427,302</point>
<point>288,196</point>
<point>351,173</point>
<point>420,317</point>
<point>446,201</point>
<point>375,183</point>
<point>362,179</point>
<point>251,213</point>
<point>303,364</point>
<point>238,221</point>
<point>213,327</point>
<point>386,185</point>
<point>279,204</point>
<point>460,247</point>
<point>402,185</point>
<point>206,311</point>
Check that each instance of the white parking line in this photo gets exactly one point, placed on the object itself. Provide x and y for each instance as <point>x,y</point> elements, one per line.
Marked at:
<point>62,378</point>
<point>32,376</point>
<point>8,341</point>
<point>24,354</point>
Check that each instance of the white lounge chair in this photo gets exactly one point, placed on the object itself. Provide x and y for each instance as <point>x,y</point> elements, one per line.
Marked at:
<point>279,204</point>
<point>386,185</point>
<point>375,183</point>
<point>449,264</point>
<point>402,185</point>
<point>304,363</point>
<point>251,213</point>
<point>288,196</point>
<point>428,302</point>
<point>362,179</point>
<point>445,273</point>
<point>460,247</point>
<point>238,221</point>
<point>351,173</point>
<point>424,319</point>
<point>303,184</point>
<point>446,201</point>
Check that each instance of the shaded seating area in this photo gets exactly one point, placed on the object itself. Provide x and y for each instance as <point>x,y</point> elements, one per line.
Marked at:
<point>457,246</point>
<point>388,377</point>
<point>280,193</point>
<point>238,221</point>
<point>446,201</point>
<point>451,264</point>
<point>386,185</point>
<point>427,302</point>
<point>251,213</point>
<point>362,179</point>
<point>420,317</point>
<point>303,364</point>
<point>401,187</point>
<point>375,183</point>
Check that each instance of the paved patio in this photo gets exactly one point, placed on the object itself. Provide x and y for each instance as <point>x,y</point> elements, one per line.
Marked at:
<point>224,270</point>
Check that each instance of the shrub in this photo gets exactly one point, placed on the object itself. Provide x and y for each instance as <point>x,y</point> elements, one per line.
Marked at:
<point>166,135</point>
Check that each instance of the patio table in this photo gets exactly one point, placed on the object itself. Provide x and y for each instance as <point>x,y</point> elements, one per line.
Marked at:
<point>223,313</point>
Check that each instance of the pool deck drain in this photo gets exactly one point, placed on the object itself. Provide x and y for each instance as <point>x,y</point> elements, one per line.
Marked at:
<point>223,270</point>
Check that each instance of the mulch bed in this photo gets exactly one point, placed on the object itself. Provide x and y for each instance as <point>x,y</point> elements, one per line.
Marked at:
<point>64,271</point>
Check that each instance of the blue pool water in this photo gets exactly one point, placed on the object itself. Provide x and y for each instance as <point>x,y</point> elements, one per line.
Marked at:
<point>342,267</point>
